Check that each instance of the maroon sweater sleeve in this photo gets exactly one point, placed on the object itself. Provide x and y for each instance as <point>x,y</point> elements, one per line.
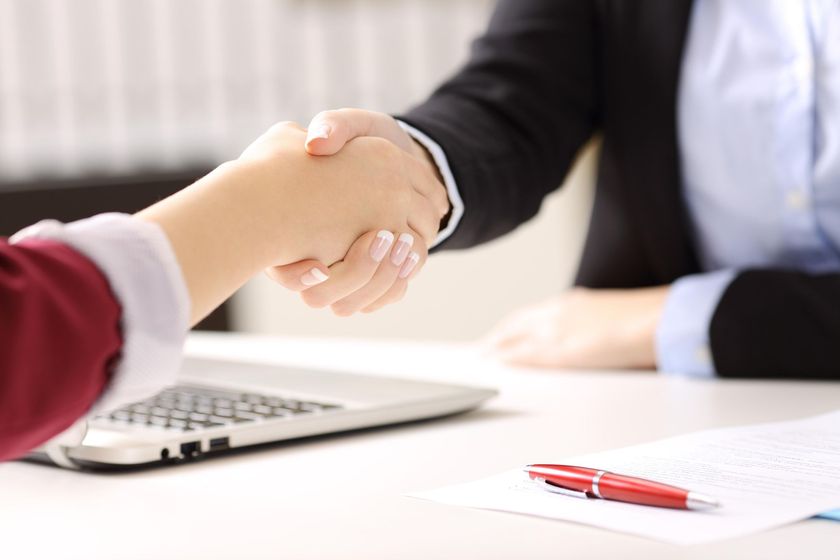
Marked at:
<point>59,336</point>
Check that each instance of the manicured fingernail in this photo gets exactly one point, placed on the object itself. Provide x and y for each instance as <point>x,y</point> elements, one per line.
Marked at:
<point>320,131</point>
<point>409,264</point>
<point>404,243</point>
<point>379,247</point>
<point>313,277</point>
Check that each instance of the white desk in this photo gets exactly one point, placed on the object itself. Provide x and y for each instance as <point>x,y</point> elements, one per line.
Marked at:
<point>341,497</point>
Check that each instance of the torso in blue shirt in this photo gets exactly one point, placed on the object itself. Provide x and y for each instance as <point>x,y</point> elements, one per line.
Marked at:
<point>759,131</point>
<point>759,135</point>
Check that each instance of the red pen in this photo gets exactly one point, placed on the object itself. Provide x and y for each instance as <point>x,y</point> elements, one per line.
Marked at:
<point>583,482</point>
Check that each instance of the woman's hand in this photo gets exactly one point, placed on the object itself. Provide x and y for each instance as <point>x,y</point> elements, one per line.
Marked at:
<point>584,328</point>
<point>361,283</point>
<point>277,205</point>
<point>374,273</point>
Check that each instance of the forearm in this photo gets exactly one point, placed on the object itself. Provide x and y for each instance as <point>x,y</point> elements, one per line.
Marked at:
<point>513,120</point>
<point>224,229</point>
<point>778,323</point>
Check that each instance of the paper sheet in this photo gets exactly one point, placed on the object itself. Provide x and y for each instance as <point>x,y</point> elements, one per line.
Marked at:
<point>765,476</point>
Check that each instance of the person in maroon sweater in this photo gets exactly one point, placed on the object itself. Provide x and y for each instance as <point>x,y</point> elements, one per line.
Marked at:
<point>93,314</point>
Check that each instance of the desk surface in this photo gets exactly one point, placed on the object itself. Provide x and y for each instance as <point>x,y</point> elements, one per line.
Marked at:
<point>291,502</point>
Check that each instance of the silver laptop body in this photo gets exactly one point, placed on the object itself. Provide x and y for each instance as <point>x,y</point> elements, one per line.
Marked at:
<point>217,406</point>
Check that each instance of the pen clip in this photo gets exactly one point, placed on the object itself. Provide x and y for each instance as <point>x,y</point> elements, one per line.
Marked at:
<point>546,485</point>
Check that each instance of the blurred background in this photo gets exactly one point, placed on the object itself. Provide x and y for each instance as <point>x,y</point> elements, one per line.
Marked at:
<point>109,105</point>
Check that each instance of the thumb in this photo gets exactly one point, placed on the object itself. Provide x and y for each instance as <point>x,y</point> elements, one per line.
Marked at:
<point>299,276</point>
<point>329,131</point>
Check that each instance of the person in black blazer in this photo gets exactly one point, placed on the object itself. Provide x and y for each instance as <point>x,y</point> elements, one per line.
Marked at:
<point>547,77</point>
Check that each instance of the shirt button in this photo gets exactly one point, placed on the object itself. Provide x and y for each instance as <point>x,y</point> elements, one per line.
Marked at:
<point>703,355</point>
<point>804,66</point>
<point>796,200</point>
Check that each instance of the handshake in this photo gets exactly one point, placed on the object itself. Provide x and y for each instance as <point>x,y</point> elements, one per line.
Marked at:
<point>343,213</point>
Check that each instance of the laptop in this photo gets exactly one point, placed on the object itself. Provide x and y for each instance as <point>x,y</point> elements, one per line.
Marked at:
<point>217,406</point>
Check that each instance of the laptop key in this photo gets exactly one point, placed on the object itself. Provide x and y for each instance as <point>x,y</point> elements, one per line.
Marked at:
<point>187,408</point>
<point>121,415</point>
<point>311,407</point>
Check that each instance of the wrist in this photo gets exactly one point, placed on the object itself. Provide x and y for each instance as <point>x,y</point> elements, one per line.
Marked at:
<point>259,201</point>
<point>420,152</point>
<point>651,305</point>
<point>220,231</point>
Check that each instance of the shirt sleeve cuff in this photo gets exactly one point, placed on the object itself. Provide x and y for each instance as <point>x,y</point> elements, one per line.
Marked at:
<point>442,162</point>
<point>140,266</point>
<point>682,338</point>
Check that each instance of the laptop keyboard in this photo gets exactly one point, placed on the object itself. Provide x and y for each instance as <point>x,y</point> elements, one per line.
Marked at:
<point>186,408</point>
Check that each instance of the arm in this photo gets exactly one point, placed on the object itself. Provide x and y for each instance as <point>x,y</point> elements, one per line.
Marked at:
<point>59,335</point>
<point>776,323</point>
<point>753,324</point>
<point>67,308</point>
<point>512,121</point>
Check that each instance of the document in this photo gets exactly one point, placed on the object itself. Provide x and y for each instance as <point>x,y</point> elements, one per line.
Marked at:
<point>764,475</point>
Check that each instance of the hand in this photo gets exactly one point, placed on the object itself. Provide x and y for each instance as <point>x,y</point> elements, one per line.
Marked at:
<point>277,205</point>
<point>374,273</point>
<point>332,201</point>
<point>584,328</point>
<point>356,284</point>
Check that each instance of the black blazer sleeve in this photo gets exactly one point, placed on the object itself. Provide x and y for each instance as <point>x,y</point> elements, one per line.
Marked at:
<point>778,323</point>
<point>513,119</point>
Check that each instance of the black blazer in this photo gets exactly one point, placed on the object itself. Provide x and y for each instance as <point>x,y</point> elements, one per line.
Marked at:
<point>545,78</point>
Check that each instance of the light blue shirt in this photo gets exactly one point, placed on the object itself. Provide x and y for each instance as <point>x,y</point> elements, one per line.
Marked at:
<point>759,135</point>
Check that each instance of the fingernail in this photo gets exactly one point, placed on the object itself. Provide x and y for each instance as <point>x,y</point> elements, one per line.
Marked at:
<point>320,131</point>
<point>409,264</point>
<point>379,247</point>
<point>404,243</point>
<point>313,277</point>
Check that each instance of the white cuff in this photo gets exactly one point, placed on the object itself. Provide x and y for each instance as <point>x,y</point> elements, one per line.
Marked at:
<point>140,266</point>
<point>448,179</point>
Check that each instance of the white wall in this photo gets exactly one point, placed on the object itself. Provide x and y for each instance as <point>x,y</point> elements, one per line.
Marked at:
<point>120,86</point>
<point>459,295</point>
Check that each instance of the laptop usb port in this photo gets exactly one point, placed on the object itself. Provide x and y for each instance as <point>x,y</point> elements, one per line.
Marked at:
<point>217,444</point>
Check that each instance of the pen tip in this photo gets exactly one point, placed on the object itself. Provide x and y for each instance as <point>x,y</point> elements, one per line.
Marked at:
<point>701,501</point>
